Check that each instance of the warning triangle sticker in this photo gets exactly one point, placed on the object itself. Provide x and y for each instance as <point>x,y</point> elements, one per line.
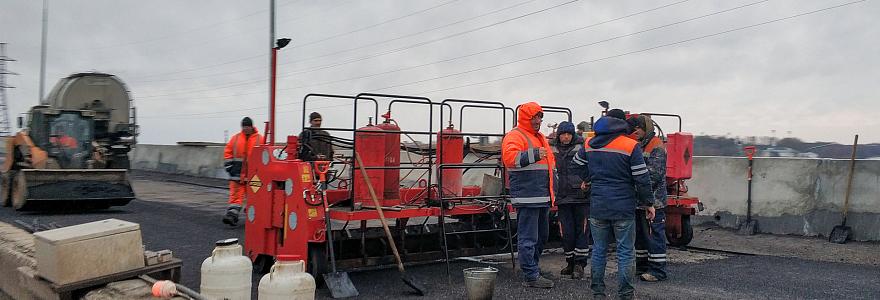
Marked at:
<point>255,183</point>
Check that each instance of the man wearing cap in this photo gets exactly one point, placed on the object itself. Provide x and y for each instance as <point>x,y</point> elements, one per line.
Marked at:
<point>651,240</point>
<point>530,165</point>
<point>315,143</point>
<point>236,154</point>
<point>582,129</point>
<point>571,200</point>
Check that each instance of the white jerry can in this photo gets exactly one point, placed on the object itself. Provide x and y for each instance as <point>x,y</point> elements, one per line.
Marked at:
<point>227,273</point>
<point>287,280</point>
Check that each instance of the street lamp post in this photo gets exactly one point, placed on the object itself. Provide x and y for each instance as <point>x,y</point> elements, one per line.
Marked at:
<point>280,43</point>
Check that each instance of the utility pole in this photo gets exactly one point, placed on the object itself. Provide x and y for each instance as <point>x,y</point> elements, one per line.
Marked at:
<point>271,68</point>
<point>43,52</point>
<point>5,127</point>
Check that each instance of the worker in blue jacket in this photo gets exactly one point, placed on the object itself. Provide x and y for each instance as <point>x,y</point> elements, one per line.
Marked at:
<point>619,180</point>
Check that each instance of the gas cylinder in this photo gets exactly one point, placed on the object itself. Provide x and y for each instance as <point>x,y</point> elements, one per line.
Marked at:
<point>370,145</point>
<point>392,159</point>
<point>451,151</point>
<point>227,273</point>
<point>287,280</point>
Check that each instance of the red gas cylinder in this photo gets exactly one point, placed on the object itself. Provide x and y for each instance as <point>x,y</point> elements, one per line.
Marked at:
<point>450,150</point>
<point>392,158</point>
<point>370,145</point>
<point>679,153</point>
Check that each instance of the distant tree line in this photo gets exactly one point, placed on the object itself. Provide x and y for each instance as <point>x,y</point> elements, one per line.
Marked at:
<point>726,146</point>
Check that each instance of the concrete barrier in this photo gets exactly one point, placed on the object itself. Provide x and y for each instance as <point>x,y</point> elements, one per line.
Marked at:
<point>797,196</point>
<point>202,161</point>
<point>790,195</point>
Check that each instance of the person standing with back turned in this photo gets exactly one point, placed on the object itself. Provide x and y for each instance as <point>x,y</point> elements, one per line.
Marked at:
<point>529,161</point>
<point>619,182</point>
<point>236,154</point>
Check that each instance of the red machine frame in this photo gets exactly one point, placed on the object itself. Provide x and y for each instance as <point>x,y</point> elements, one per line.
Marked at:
<point>284,210</point>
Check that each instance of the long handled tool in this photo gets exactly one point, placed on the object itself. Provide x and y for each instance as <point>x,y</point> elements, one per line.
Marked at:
<point>339,283</point>
<point>408,279</point>
<point>750,226</point>
<point>841,233</point>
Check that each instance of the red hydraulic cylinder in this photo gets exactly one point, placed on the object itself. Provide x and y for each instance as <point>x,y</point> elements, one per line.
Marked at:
<point>450,149</point>
<point>369,142</point>
<point>392,159</point>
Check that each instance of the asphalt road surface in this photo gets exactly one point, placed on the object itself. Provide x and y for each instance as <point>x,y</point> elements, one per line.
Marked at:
<point>186,219</point>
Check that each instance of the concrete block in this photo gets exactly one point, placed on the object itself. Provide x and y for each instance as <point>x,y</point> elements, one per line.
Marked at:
<point>90,250</point>
<point>151,258</point>
<point>165,255</point>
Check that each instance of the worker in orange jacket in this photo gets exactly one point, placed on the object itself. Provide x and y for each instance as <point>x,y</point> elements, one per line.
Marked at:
<point>530,163</point>
<point>236,155</point>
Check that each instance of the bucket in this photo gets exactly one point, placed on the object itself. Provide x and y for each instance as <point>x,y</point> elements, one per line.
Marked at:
<point>480,282</point>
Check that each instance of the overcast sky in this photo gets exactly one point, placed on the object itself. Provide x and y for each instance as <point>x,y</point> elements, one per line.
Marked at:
<point>196,67</point>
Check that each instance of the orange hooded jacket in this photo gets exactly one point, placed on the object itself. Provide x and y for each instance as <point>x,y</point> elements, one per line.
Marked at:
<point>531,179</point>
<point>238,149</point>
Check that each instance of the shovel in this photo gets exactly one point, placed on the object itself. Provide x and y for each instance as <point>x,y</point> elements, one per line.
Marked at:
<point>338,282</point>
<point>407,279</point>
<point>841,233</point>
<point>750,226</point>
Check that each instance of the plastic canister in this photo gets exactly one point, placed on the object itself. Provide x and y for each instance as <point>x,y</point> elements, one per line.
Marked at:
<point>227,273</point>
<point>287,280</point>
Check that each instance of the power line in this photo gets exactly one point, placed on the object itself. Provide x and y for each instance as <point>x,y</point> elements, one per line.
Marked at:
<point>489,50</point>
<point>380,42</point>
<point>177,33</point>
<point>374,25</point>
<point>425,42</point>
<point>498,48</point>
<point>514,44</point>
<point>644,49</point>
<point>5,126</point>
<point>235,60</point>
<point>309,43</point>
<point>573,48</point>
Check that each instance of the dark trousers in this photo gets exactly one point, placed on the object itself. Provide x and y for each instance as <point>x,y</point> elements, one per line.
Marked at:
<point>532,230</point>
<point>575,232</point>
<point>651,244</point>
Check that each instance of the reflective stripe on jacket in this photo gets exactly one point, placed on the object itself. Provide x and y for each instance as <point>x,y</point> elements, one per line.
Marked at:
<point>531,179</point>
<point>616,170</point>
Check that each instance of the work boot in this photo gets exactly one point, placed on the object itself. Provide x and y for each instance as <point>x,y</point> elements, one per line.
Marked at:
<point>577,272</point>
<point>540,282</point>
<point>649,277</point>
<point>567,270</point>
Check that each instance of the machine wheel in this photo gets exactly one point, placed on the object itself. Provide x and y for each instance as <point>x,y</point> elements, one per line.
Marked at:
<point>19,191</point>
<point>687,233</point>
<point>318,263</point>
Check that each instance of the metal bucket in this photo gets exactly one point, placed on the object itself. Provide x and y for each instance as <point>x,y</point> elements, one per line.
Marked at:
<point>480,282</point>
